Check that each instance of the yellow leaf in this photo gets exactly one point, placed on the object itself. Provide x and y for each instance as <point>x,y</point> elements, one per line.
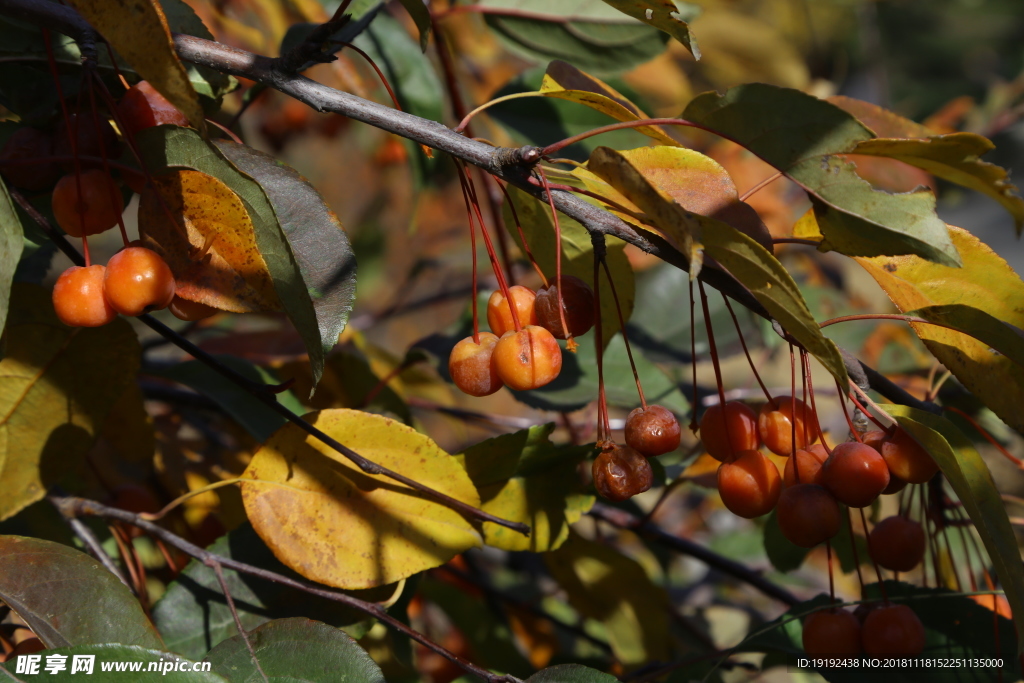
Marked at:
<point>566,82</point>
<point>232,275</point>
<point>57,385</point>
<point>138,30</point>
<point>348,529</point>
<point>985,282</point>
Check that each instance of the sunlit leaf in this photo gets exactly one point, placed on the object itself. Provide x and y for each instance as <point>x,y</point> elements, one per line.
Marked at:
<point>317,239</point>
<point>12,241</point>
<point>802,136</point>
<point>163,146</point>
<point>566,82</point>
<point>593,36</point>
<point>1000,337</point>
<point>523,477</point>
<point>881,121</point>
<point>577,255</point>
<point>138,30</point>
<point>953,157</point>
<point>344,528</point>
<point>295,649</point>
<point>68,598</point>
<point>985,282</point>
<point>605,585</point>
<point>670,16</point>
<point>57,385</point>
<point>972,481</point>
<point>168,668</point>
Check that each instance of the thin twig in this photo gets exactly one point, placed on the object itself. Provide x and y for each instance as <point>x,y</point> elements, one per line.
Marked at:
<point>219,571</point>
<point>93,545</point>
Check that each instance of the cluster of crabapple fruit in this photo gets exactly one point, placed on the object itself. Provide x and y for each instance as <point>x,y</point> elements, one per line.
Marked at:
<point>621,471</point>
<point>86,200</point>
<point>521,349</point>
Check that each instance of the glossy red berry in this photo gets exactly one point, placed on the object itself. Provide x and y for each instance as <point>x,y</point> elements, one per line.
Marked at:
<point>832,632</point>
<point>906,459</point>
<point>750,485</point>
<point>143,107</point>
<point>807,515</point>
<point>620,472</point>
<point>776,425</point>
<point>499,315</point>
<point>897,543</point>
<point>728,430</point>
<point>138,280</point>
<point>807,464</point>
<point>87,204</point>
<point>653,431</point>
<point>855,474</point>
<point>892,630</point>
<point>578,300</point>
<point>471,365</point>
<point>527,359</point>
<point>78,297</point>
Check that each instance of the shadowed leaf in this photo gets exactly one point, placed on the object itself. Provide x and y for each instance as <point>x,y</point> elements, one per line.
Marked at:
<point>68,598</point>
<point>168,668</point>
<point>986,283</point>
<point>57,385</point>
<point>523,477</point>
<point>571,673</point>
<point>344,528</point>
<point>12,241</point>
<point>670,16</point>
<point>421,15</point>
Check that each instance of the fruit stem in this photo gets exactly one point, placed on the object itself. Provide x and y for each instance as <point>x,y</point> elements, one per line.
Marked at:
<point>878,572</point>
<point>103,153</point>
<point>868,401</point>
<point>694,425</point>
<point>761,185</point>
<point>925,521</point>
<point>569,344</point>
<point>743,343</point>
<point>988,437</point>
<point>85,251</point>
<point>522,237</point>
<point>792,402</point>
<point>831,578</point>
<point>625,337</point>
<point>714,361</point>
<point>603,425</point>
<point>472,241</point>
<point>561,144</point>
<point>853,547</point>
<point>814,407</point>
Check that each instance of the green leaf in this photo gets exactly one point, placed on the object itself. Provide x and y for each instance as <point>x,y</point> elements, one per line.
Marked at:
<point>974,322</point>
<point>801,135</point>
<point>784,555</point>
<point>594,37</point>
<point>523,477</point>
<point>670,16</point>
<point>68,598</point>
<point>972,481</point>
<point>296,649</point>
<point>953,157</point>
<point>181,18</point>
<point>421,15</point>
<point>193,616</point>
<point>571,673</point>
<point>605,585</point>
<point>163,146</point>
<point>122,659</point>
<point>316,237</point>
<point>251,413</point>
<point>12,241</point>
<point>57,386</point>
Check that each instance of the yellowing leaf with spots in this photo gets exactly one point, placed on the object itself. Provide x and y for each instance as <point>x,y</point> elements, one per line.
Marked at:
<point>341,527</point>
<point>218,263</point>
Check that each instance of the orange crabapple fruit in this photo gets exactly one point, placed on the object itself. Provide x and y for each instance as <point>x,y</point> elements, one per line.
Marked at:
<point>620,472</point>
<point>143,107</point>
<point>578,303</point>
<point>471,365</point>
<point>897,543</point>
<point>728,429</point>
<point>807,515</point>
<point>907,459</point>
<point>832,632</point>
<point>749,485</point>
<point>892,630</point>
<point>138,280</point>
<point>806,463</point>
<point>652,431</point>
<point>87,204</point>
<point>527,359</point>
<point>78,297</point>
<point>776,425</point>
<point>855,474</point>
<point>499,315</point>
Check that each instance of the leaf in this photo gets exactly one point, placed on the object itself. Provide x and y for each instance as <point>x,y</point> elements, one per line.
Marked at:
<point>232,275</point>
<point>296,649</point>
<point>985,282</point>
<point>12,241</point>
<point>421,16</point>
<point>138,30</point>
<point>164,146</point>
<point>577,255</point>
<point>670,16</point>
<point>784,555</point>
<point>523,477</point>
<point>801,136</point>
<point>953,157</point>
<point>566,82</point>
<point>697,183</point>
<point>571,673</point>
<point>193,616</point>
<point>57,385</point>
<point>970,478</point>
<point>166,668</point>
<point>256,417</point>
<point>181,18</point>
<point>594,36</point>
<point>317,239</point>
<point>349,529</point>
<point>880,121</point>
<point>603,584</point>
<point>1000,337</point>
<point>68,598</point>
